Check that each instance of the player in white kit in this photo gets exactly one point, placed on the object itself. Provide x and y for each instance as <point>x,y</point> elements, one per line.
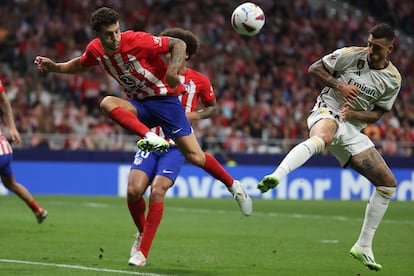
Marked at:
<point>361,84</point>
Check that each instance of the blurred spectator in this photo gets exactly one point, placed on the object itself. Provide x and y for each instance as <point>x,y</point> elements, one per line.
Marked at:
<point>261,82</point>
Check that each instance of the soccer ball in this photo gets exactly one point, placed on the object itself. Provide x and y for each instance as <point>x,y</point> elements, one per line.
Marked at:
<point>248,19</point>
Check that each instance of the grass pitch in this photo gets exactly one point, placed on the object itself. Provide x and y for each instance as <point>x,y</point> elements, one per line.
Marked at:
<point>93,236</point>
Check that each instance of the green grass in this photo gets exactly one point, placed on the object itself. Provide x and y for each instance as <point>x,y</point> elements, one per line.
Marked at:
<point>201,237</point>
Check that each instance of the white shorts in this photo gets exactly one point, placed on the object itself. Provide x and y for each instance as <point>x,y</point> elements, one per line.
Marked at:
<point>348,140</point>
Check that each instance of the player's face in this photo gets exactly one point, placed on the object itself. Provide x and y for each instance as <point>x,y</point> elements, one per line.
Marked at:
<point>378,51</point>
<point>110,37</point>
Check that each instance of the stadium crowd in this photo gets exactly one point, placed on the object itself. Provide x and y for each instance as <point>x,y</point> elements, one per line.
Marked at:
<point>261,82</point>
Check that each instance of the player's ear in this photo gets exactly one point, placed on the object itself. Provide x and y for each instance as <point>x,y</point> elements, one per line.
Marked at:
<point>390,48</point>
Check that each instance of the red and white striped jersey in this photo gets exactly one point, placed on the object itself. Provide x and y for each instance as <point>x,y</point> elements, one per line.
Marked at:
<point>5,147</point>
<point>198,89</point>
<point>138,65</point>
<point>1,91</point>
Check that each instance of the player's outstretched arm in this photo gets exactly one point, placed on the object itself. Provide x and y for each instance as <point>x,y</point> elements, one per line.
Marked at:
<point>73,66</point>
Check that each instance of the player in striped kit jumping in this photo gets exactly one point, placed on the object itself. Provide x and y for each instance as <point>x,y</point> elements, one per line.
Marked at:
<point>6,157</point>
<point>152,86</point>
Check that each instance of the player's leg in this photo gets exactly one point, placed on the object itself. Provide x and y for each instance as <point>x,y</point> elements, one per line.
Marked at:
<point>126,115</point>
<point>321,134</point>
<point>192,151</point>
<point>137,184</point>
<point>123,113</point>
<point>370,164</point>
<point>159,188</point>
<point>10,183</point>
<point>166,168</point>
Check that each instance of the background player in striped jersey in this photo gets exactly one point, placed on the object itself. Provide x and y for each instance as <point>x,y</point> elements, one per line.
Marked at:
<point>137,61</point>
<point>160,169</point>
<point>361,84</point>
<point>6,157</point>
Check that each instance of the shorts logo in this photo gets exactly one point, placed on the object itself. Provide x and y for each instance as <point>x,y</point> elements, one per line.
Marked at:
<point>175,131</point>
<point>166,171</point>
<point>138,161</point>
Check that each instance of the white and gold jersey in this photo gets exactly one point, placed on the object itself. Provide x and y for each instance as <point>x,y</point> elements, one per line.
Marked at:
<point>376,87</point>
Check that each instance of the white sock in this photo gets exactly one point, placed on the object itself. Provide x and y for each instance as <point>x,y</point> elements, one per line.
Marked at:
<point>376,208</point>
<point>298,156</point>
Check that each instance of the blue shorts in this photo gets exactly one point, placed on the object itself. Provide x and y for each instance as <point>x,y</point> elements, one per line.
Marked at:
<point>164,111</point>
<point>167,163</point>
<point>5,165</point>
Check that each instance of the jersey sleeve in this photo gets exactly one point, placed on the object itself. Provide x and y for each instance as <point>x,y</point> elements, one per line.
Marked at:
<point>1,87</point>
<point>388,98</point>
<point>338,60</point>
<point>88,58</point>
<point>155,44</point>
<point>206,92</point>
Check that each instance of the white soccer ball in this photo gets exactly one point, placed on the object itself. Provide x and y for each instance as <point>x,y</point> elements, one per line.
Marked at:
<point>248,19</point>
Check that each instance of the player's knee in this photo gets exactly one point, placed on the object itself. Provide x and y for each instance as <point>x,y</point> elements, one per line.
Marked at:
<point>386,191</point>
<point>106,104</point>
<point>196,159</point>
<point>392,182</point>
<point>133,192</point>
<point>157,195</point>
<point>314,145</point>
<point>10,185</point>
<point>103,104</point>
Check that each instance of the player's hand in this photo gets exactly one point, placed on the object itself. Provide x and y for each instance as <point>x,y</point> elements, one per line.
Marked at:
<point>345,111</point>
<point>172,80</point>
<point>348,91</point>
<point>44,64</point>
<point>15,136</point>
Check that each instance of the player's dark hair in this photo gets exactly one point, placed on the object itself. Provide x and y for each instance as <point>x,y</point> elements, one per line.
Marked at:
<point>383,30</point>
<point>187,36</point>
<point>103,17</point>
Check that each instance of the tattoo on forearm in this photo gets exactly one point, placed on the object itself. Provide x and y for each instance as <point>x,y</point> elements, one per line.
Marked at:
<point>332,82</point>
<point>323,77</point>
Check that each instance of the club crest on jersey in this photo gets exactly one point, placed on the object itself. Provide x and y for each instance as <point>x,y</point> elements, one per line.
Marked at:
<point>157,40</point>
<point>187,87</point>
<point>360,64</point>
<point>129,66</point>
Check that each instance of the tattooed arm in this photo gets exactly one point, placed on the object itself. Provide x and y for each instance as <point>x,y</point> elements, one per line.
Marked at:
<point>176,60</point>
<point>319,73</point>
<point>369,117</point>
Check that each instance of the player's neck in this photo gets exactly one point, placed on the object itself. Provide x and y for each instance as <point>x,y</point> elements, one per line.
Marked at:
<point>379,65</point>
